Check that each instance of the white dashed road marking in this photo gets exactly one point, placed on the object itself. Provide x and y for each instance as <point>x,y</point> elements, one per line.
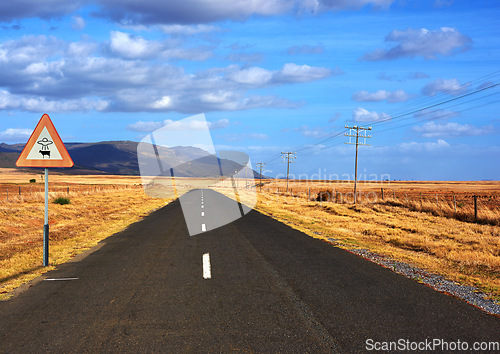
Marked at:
<point>203,227</point>
<point>202,213</point>
<point>207,273</point>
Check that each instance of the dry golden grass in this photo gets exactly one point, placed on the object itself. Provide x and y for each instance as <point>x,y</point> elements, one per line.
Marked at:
<point>17,176</point>
<point>450,199</point>
<point>75,227</point>
<point>465,252</point>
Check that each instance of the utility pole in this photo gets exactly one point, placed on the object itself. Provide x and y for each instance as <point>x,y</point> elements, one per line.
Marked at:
<point>355,133</point>
<point>261,164</point>
<point>287,156</point>
<point>246,177</point>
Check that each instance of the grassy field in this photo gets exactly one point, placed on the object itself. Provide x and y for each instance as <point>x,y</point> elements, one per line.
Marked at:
<point>462,250</point>
<point>450,199</point>
<point>94,213</point>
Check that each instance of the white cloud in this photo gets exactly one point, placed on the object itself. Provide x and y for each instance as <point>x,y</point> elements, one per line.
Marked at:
<point>218,97</point>
<point>381,95</point>
<point>128,46</point>
<point>440,144</point>
<point>363,115</point>
<point>78,23</point>
<point>252,76</point>
<point>15,135</point>
<point>188,30</point>
<point>28,49</point>
<point>133,47</point>
<point>45,72</point>
<point>219,124</point>
<point>162,103</point>
<point>289,73</point>
<point>141,126</point>
<point>81,49</point>
<point>421,43</point>
<point>184,125</point>
<point>433,130</point>
<point>301,73</point>
<point>40,104</point>
<point>451,87</point>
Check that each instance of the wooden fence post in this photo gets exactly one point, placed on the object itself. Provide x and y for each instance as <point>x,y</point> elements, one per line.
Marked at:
<point>19,190</point>
<point>437,202</point>
<point>455,203</point>
<point>382,189</point>
<point>475,207</point>
<point>393,194</point>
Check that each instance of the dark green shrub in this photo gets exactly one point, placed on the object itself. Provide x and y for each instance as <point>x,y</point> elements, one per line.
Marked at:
<point>62,201</point>
<point>32,180</point>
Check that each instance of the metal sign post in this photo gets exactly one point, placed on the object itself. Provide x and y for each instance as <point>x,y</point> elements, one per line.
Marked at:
<point>46,222</point>
<point>45,149</point>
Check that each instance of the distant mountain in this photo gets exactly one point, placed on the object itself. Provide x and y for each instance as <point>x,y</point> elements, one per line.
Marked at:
<point>120,158</point>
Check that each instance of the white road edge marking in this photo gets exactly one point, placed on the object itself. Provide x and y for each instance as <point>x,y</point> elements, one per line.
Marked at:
<point>202,206</point>
<point>202,213</point>
<point>203,228</point>
<point>55,279</point>
<point>207,273</point>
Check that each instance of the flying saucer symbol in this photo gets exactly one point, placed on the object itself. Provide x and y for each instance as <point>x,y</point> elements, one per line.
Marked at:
<point>45,143</point>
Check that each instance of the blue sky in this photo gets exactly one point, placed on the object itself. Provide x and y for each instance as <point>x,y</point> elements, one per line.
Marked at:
<point>270,76</point>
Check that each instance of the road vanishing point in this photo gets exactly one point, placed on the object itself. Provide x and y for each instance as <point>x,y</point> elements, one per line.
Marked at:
<point>254,285</point>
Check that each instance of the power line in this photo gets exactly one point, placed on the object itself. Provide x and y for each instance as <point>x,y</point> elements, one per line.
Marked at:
<point>399,117</point>
<point>433,105</point>
<point>392,119</point>
<point>444,93</point>
<point>428,119</point>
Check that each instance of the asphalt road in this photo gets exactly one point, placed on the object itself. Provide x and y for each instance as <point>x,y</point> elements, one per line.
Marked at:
<point>253,285</point>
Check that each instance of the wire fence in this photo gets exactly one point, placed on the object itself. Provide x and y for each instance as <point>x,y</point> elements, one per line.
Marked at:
<point>481,207</point>
<point>13,193</point>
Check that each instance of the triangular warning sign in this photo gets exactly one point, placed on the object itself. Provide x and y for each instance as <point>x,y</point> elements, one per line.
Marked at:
<point>44,148</point>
